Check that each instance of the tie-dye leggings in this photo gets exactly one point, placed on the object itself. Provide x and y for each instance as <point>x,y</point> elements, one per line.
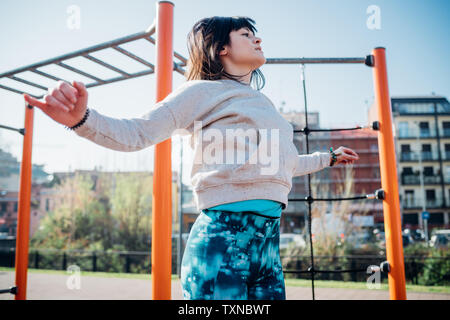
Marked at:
<point>233,256</point>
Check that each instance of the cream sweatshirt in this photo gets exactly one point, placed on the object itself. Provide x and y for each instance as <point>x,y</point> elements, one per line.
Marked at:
<point>243,147</point>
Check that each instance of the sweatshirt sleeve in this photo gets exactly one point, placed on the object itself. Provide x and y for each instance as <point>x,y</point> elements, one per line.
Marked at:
<point>177,111</point>
<point>310,163</point>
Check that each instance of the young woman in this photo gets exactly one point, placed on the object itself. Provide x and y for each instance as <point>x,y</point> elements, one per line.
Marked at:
<point>233,248</point>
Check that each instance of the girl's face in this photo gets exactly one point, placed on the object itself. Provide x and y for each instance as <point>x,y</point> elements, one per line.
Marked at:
<point>244,50</point>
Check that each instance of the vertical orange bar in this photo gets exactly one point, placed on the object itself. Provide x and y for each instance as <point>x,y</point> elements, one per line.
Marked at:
<point>389,183</point>
<point>162,173</point>
<point>23,218</point>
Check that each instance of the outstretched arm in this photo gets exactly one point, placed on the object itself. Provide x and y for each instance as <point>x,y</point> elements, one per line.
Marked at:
<point>67,105</point>
<point>310,163</point>
<point>175,114</point>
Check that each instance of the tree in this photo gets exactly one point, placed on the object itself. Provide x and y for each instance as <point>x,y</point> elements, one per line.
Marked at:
<point>131,199</point>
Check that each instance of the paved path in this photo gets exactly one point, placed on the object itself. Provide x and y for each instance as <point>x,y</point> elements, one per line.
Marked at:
<point>54,287</point>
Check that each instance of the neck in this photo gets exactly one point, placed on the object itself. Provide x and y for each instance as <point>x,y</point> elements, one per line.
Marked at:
<point>245,75</point>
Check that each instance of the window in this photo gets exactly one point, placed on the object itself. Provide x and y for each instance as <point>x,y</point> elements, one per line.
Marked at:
<point>428,171</point>
<point>407,171</point>
<point>409,198</point>
<point>447,151</point>
<point>443,107</point>
<point>406,148</point>
<point>431,194</point>
<point>436,218</point>
<point>405,152</point>
<point>426,147</point>
<point>426,152</point>
<point>403,129</point>
<point>411,218</point>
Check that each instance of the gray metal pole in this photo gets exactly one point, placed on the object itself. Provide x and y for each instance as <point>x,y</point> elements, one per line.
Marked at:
<point>422,189</point>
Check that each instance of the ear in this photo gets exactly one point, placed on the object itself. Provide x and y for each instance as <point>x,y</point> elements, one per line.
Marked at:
<point>223,52</point>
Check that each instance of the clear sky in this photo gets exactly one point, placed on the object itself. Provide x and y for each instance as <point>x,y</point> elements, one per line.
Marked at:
<point>412,31</point>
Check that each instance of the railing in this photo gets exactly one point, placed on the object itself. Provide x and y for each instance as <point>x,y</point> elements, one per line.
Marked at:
<point>412,108</point>
<point>446,132</point>
<point>416,202</point>
<point>423,108</point>
<point>415,179</point>
<point>139,262</point>
<point>447,155</point>
<point>413,132</point>
<point>415,156</point>
<point>415,266</point>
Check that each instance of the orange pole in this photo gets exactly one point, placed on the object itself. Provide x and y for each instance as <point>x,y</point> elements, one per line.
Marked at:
<point>389,183</point>
<point>162,177</point>
<point>23,219</point>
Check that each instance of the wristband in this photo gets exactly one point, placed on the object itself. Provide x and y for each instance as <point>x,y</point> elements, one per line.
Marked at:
<point>333,156</point>
<point>79,124</point>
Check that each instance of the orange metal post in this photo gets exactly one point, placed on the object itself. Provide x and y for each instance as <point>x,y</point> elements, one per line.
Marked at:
<point>389,183</point>
<point>162,176</point>
<point>23,219</point>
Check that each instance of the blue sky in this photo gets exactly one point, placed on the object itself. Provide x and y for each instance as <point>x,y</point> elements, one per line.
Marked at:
<point>413,33</point>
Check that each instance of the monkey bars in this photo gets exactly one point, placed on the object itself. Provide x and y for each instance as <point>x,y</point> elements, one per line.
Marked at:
<point>162,197</point>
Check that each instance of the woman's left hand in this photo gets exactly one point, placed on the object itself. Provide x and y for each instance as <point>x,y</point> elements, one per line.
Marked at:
<point>345,155</point>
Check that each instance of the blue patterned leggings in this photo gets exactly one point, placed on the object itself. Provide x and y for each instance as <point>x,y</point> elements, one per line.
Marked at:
<point>233,256</point>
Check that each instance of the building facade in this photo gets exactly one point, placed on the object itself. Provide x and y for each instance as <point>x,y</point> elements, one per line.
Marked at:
<point>422,142</point>
<point>360,178</point>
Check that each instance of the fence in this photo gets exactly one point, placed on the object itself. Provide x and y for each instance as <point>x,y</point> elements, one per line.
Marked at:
<point>140,262</point>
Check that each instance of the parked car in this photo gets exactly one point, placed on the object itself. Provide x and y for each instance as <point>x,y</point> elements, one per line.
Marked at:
<point>418,235</point>
<point>359,240</point>
<point>407,238</point>
<point>440,239</point>
<point>291,239</point>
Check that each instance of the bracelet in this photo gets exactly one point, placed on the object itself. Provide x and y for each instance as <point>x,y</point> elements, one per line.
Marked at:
<point>79,124</point>
<point>333,156</point>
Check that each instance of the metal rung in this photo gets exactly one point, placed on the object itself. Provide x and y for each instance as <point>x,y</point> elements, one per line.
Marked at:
<point>66,66</point>
<point>12,290</point>
<point>87,56</point>
<point>21,131</point>
<point>133,56</point>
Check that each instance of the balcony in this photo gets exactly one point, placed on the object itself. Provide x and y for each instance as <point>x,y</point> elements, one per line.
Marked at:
<point>416,202</point>
<point>415,179</point>
<point>414,108</point>
<point>411,133</point>
<point>422,107</point>
<point>446,132</point>
<point>414,156</point>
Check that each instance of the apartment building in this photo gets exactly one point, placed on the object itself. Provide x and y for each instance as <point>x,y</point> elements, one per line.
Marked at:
<point>362,177</point>
<point>422,141</point>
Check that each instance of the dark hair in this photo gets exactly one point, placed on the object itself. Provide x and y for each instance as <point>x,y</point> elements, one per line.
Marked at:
<point>205,41</point>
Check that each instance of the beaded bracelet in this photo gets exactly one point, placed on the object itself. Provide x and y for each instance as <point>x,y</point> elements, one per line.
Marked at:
<point>333,156</point>
<point>79,124</point>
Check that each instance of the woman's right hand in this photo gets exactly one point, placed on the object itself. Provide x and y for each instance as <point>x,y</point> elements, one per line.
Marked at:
<point>66,104</point>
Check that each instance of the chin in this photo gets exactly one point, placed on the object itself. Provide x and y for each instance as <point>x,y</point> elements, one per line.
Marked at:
<point>260,62</point>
